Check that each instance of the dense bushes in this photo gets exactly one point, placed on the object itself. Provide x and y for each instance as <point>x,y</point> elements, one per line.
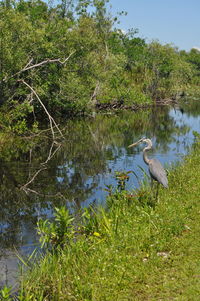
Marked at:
<point>73,58</point>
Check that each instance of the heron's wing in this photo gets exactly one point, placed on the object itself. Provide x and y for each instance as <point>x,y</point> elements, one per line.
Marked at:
<point>157,172</point>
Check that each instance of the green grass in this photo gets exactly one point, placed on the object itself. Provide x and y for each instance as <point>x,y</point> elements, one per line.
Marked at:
<point>132,250</point>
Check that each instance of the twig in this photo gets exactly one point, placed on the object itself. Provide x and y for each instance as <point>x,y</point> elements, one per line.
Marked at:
<point>51,119</point>
<point>47,61</point>
<point>27,190</point>
<point>93,98</point>
<point>28,64</point>
<point>50,156</point>
<point>38,134</point>
<point>24,187</point>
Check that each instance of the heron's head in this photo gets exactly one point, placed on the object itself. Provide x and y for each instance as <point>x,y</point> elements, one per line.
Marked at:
<point>142,140</point>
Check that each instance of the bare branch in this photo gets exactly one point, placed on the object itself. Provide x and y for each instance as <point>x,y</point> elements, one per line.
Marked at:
<point>32,178</point>
<point>56,195</point>
<point>51,119</point>
<point>24,187</point>
<point>38,134</point>
<point>50,156</point>
<point>47,61</point>
<point>93,98</point>
<point>28,63</point>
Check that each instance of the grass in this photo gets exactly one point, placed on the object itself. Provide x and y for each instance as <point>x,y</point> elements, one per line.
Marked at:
<point>131,250</point>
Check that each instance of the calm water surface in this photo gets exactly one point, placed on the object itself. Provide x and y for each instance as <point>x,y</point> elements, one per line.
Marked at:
<point>36,176</point>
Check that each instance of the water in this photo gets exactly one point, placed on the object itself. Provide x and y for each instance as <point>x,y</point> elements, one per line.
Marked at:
<point>78,170</point>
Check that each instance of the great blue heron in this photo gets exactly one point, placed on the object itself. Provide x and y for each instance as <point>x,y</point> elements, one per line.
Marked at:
<point>156,169</point>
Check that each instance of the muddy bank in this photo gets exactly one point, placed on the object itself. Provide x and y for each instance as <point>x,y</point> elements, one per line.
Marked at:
<point>119,105</point>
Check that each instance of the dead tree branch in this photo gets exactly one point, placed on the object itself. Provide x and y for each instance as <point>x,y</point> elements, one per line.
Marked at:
<point>47,61</point>
<point>51,119</point>
<point>24,187</point>
<point>93,98</point>
<point>50,156</point>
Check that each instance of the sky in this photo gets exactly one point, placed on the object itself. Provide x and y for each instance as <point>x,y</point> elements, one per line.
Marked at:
<point>175,22</point>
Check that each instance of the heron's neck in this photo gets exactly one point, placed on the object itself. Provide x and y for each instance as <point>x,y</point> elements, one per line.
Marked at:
<point>146,159</point>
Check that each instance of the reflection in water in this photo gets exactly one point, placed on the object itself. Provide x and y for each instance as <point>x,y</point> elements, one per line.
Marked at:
<point>38,175</point>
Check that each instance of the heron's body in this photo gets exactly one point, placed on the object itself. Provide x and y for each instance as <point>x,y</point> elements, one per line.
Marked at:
<point>157,172</point>
<point>156,169</point>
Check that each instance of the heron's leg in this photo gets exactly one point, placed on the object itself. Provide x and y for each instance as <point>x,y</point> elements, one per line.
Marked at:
<point>154,190</point>
<point>152,182</point>
<point>153,185</point>
<point>157,189</point>
<point>152,199</point>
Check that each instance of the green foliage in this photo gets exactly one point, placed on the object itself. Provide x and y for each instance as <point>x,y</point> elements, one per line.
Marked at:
<point>193,57</point>
<point>14,118</point>
<point>89,222</point>
<point>166,72</point>
<point>58,232</point>
<point>5,294</point>
<point>122,177</point>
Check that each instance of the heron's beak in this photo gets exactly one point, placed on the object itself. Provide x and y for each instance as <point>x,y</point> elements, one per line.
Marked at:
<point>136,143</point>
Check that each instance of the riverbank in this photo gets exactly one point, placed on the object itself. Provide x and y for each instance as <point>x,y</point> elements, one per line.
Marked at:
<point>120,105</point>
<point>136,250</point>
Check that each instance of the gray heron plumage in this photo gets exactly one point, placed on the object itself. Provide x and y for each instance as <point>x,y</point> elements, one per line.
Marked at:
<point>156,170</point>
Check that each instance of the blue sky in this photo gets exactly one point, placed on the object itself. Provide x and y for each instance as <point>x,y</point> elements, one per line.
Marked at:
<point>169,21</point>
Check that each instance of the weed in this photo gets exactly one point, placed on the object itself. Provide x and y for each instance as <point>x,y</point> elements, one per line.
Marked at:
<point>57,232</point>
<point>5,293</point>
